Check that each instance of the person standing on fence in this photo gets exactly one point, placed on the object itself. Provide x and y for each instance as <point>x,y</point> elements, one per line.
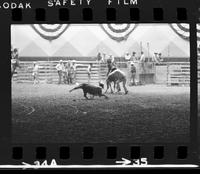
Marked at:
<point>59,68</point>
<point>35,73</point>
<point>133,74</point>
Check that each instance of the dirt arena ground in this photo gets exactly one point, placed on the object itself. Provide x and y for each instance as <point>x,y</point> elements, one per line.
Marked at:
<point>48,113</point>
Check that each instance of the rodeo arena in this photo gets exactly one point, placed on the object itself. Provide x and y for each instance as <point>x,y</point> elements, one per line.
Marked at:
<point>100,83</point>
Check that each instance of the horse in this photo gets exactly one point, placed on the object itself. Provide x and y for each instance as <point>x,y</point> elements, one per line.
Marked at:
<point>117,76</point>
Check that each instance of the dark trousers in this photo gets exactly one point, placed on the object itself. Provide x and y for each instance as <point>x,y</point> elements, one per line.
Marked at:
<point>70,78</point>
<point>132,81</point>
<point>65,77</point>
<point>60,77</point>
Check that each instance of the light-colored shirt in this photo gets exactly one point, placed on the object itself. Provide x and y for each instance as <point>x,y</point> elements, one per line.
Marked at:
<point>60,67</point>
<point>36,68</point>
<point>155,58</point>
<point>142,58</point>
<point>133,58</point>
<point>127,56</point>
<point>89,69</point>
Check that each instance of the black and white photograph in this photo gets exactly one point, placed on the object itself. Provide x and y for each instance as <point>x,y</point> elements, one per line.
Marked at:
<point>100,83</point>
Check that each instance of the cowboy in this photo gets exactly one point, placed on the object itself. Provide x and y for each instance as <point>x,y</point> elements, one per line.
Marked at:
<point>133,74</point>
<point>64,72</point>
<point>59,68</point>
<point>70,72</point>
<point>35,72</point>
<point>133,57</point>
<point>155,57</point>
<point>74,70</point>
<point>89,72</point>
<point>127,56</point>
<point>15,57</point>
<point>142,57</point>
<point>117,77</point>
<point>14,61</point>
<point>160,57</point>
<point>99,57</point>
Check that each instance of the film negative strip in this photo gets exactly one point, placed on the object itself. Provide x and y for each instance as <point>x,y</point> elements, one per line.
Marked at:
<point>99,84</point>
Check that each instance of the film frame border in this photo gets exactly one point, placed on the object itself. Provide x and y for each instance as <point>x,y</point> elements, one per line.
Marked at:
<point>76,150</point>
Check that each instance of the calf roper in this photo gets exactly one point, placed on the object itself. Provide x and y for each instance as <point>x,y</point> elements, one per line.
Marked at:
<point>116,76</point>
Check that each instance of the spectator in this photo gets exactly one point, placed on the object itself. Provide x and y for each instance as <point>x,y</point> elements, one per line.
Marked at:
<point>104,58</point>
<point>133,74</point>
<point>70,72</point>
<point>127,56</point>
<point>142,57</point>
<point>133,57</point>
<point>15,57</point>
<point>74,71</point>
<point>99,57</point>
<point>59,68</point>
<point>89,72</point>
<point>155,58</point>
<point>160,59</point>
<point>64,72</point>
<point>36,72</point>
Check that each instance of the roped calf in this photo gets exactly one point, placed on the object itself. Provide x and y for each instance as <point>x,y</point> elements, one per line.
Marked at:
<point>90,89</point>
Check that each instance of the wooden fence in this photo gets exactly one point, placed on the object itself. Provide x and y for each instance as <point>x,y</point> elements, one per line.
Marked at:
<point>175,73</point>
<point>48,72</point>
<point>178,73</point>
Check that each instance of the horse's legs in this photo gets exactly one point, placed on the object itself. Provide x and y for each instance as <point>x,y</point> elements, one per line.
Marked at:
<point>118,87</point>
<point>111,88</point>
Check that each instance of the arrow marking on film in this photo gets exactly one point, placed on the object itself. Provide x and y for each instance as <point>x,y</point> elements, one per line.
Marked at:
<point>124,162</point>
